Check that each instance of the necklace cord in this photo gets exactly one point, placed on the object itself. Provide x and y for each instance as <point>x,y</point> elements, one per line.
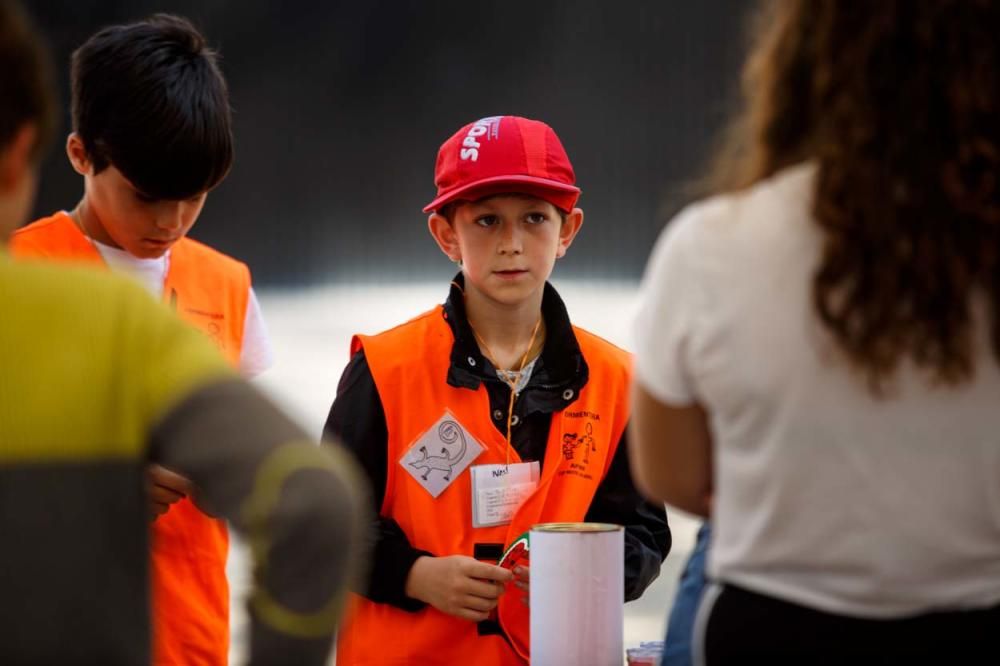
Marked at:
<point>509,382</point>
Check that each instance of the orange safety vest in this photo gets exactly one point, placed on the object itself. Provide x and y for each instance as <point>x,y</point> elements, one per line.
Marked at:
<point>414,395</point>
<point>190,594</point>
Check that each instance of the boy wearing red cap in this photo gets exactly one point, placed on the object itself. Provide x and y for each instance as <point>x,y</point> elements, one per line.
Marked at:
<point>486,415</point>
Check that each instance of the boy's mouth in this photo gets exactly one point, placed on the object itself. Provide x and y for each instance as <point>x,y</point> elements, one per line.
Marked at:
<point>511,273</point>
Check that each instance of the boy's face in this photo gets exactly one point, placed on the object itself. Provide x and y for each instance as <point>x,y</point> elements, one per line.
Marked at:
<point>508,245</point>
<point>116,213</point>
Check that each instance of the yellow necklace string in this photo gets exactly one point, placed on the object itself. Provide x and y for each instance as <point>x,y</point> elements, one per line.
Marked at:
<point>511,383</point>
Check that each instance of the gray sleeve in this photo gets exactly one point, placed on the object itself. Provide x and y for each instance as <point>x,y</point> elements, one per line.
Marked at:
<point>303,510</point>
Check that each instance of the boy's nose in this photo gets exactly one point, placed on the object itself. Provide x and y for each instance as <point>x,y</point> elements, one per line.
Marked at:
<point>510,240</point>
<point>170,217</point>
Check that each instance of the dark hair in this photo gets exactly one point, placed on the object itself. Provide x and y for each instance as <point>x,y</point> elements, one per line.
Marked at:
<point>896,102</point>
<point>150,99</point>
<point>26,90</point>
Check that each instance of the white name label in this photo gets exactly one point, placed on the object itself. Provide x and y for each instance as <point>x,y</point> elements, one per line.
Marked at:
<point>499,490</point>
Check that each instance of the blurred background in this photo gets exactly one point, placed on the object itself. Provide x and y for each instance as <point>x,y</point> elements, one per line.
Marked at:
<point>340,107</point>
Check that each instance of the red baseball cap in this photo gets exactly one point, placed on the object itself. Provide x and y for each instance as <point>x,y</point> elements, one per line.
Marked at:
<point>503,154</point>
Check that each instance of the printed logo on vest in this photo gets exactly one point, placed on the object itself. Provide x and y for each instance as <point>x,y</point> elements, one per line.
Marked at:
<point>441,454</point>
<point>571,442</point>
<point>201,313</point>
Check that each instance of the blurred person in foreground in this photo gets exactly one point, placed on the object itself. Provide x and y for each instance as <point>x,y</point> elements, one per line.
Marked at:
<point>97,380</point>
<point>818,343</point>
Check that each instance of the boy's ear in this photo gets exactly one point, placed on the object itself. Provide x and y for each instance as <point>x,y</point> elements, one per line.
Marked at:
<point>568,230</point>
<point>77,154</point>
<point>16,158</point>
<point>445,236</point>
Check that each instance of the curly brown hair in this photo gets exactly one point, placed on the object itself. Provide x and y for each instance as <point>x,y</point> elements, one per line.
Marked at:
<point>897,102</point>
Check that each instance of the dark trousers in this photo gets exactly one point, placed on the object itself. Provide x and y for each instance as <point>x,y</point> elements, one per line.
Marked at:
<point>748,628</point>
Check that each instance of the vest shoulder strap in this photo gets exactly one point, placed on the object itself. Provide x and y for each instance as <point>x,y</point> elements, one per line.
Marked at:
<point>212,266</point>
<point>397,344</point>
<point>596,347</point>
<point>53,237</point>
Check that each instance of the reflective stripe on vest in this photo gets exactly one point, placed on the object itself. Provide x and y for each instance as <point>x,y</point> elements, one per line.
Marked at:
<point>409,364</point>
<point>190,594</point>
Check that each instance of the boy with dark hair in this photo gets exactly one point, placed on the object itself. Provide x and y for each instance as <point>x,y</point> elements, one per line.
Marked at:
<point>96,379</point>
<point>495,380</point>
<point>151,137</point>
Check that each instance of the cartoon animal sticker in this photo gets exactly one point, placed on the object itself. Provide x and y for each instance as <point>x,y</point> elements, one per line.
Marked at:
<point>449,432</point>
<point>438,456</point>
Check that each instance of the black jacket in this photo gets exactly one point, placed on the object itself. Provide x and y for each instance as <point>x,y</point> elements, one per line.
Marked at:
<point>357,419</point>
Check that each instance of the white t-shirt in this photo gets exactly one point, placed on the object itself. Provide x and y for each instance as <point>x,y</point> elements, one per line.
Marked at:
<point>825,496</point>
<point>256,355</point>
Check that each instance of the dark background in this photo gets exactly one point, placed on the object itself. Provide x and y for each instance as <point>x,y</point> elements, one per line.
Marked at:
<point>340,108</point>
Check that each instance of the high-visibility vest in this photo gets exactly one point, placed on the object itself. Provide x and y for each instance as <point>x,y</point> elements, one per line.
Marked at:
<point>409,364</point>
<point>190,594</point>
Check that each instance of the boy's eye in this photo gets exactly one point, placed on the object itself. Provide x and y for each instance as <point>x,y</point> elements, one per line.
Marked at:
<point>536,218</point>
<point>487,220</point>
<point>144,198</point>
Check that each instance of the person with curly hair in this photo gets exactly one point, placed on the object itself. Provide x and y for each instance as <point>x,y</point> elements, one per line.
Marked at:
<point>817,344</point>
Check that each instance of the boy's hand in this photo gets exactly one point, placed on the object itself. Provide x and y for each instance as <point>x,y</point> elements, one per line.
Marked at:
<point>522,580</point>
<point>457,585</point>
<point>164,488</point>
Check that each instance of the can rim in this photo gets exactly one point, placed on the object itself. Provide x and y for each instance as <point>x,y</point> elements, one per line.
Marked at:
<point>577,528</point>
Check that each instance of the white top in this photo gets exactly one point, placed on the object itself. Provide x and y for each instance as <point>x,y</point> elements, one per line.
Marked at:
<point>825,496</point>
<point>256,355</point>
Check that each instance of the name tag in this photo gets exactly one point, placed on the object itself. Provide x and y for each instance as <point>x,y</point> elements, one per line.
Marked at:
<point>499,490</point>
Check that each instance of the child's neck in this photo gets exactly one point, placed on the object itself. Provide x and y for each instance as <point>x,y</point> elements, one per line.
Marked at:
<point>91,227</point>
<point>506,331</point>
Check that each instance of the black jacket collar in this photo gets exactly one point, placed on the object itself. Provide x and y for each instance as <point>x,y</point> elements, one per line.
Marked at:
<point>559,374</point>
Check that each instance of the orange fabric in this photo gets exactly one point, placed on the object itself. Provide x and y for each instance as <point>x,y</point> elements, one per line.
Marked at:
<point>414,394</point>
<point>190,594</point>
